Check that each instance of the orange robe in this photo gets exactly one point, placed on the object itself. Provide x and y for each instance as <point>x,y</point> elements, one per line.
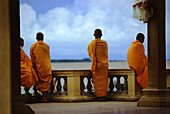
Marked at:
<point>40,57</point>
<point>138,61</point>
<point>98,51</point>
<point>28,74</point>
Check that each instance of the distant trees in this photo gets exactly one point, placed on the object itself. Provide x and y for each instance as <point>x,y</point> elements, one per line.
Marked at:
<point>81,60</point>
<point>72,60</point>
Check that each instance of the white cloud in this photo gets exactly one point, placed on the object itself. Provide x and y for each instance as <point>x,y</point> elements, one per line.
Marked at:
<point>29,16</point>
<point>75,24</point>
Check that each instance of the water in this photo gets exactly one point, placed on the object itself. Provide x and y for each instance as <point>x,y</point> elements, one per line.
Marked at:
<point>87,65</point>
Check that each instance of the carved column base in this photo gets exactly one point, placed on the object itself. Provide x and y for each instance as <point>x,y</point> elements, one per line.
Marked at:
<point>19,107</point>
<point>155,98</point>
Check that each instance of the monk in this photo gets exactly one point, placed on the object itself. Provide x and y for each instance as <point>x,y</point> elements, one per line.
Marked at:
<point>138,61</point>
<point>28,74</point>
<point>98,51</point>
<point>40,57</point>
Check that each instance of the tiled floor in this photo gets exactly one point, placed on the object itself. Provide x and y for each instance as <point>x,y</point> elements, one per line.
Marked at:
<point>96,108</point>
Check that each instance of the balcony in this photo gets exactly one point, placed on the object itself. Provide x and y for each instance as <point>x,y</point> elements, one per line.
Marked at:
<point>76,86</point>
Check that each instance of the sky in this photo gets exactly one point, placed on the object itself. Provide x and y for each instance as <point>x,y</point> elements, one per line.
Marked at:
<point>68,26</point>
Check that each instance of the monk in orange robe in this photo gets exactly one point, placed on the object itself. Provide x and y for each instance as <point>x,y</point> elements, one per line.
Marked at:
<point>138,61</point>
<point>40,57</point>
<point>98,51</point>
<point>28,74</point>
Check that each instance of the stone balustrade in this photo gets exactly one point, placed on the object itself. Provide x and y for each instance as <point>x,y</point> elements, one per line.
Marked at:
<point>76,85</point>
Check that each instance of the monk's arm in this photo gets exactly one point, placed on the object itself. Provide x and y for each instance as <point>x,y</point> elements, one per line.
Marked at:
<point>89,50</point>
<point>32,56</point>
<point>107,49</point>
<point>21,55</point>
<point>49,50</point>
<point>145,60</point>
<point>141,55</point>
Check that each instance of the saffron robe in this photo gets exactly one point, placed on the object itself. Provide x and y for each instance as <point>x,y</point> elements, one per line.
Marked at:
<point>138,61</point>
<point>98,51</point>
<point>40,57</point>
<point>28,74</point>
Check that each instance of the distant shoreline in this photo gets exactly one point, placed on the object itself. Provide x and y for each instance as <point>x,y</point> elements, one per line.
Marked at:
<point>81,60</point>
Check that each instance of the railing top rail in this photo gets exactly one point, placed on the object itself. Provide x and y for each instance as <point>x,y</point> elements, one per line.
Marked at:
<point>89,70</point>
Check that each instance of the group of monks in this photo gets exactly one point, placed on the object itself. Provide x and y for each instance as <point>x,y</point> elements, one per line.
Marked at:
<point>98,52</point>
<point>38,70</point>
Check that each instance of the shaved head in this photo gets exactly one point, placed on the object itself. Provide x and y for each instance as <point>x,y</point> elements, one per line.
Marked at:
<point>97,33</point>
<point>21,42</point>
<point>140,37</point>
<point>39,36</point>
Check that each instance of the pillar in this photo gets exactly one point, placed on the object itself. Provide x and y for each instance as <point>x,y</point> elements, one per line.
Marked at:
<point>5,68</point>
<point>17,104</point>
<point>156,94</point>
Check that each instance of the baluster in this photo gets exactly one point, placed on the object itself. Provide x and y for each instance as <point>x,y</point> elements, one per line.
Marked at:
<point>121,86</point>
<point>37,95</point>
<point>111,85</point>
<point>114,84</point>
<point>118,86</point>
<point>93,88</point>
<point>89,86</point>
<point>62,85</point>
<point>85,81</point>
<point>27,92</point>
<point>82,86</point>
<point>108,82</point>
<point>59,85</point>
<point>121,83</point>
<point>52,85</point>
<point>65,85</point>
<point>125,86</point>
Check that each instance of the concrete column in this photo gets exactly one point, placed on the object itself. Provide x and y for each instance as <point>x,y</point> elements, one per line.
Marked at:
<point>18,105</point>
<point>156,94</point>
<point>15,49</point>
<point>5,67</point>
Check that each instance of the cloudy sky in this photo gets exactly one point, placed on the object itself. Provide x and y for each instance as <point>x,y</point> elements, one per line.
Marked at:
<point>68,26</point>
